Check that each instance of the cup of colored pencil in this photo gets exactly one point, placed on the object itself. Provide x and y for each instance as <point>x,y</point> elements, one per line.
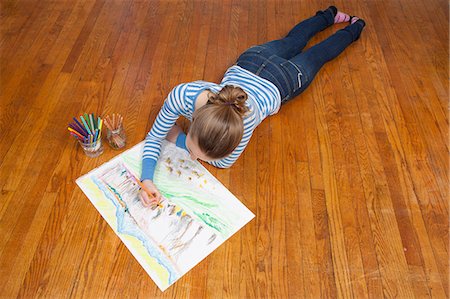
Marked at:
<point>88,132</point>
<point>115,134</point>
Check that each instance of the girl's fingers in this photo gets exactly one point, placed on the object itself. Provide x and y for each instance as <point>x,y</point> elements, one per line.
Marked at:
<point>149,200</point>
<point>144,199</point>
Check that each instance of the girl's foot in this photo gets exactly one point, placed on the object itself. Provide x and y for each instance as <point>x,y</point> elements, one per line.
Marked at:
<point>354,19</point>
<point>341,17</point>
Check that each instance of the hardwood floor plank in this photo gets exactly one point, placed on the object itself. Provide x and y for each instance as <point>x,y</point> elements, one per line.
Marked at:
<point>311,270</point>
<point>263,235</point>
<point>361,170</point>
<point>262,250</point>
<point>349,184</point>
<point>84,34</point>
<point>381,180</point>
<point>21,41</point>
<point>277,220</point>
<point>248,283</point>
<point>32,184</point>
<point>14,15</point>
<point>7,197</point>
<point>328,287</point>
<point>340,263</point>
<point>292,202</point>
<point>22,248</point>
<point>19,72</point>
<point>19,157</point>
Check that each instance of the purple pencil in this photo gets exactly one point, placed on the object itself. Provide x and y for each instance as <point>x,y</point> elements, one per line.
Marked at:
<point>81,126</point>
<point>75,127</point>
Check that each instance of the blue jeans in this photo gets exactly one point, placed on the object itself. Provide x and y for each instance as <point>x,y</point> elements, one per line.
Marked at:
<point>282,62</point>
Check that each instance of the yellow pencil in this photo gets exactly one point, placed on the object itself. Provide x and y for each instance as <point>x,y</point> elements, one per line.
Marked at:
<point>75,132</point>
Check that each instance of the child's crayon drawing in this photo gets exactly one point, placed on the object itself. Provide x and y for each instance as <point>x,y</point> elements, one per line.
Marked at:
<point>196,213</point>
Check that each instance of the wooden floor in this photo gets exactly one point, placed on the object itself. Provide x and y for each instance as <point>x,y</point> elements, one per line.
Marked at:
<point>349,181</point>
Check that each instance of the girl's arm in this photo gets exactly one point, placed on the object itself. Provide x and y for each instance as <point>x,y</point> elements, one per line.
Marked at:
<point>167,116</point>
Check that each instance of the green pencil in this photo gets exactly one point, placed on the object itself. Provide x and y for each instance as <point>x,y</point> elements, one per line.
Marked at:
<point>92,122</point>
<point>86,117</point>
<point>85,124</point>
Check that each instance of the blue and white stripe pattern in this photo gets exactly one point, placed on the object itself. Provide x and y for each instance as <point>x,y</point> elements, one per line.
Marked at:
<point>263,99</point>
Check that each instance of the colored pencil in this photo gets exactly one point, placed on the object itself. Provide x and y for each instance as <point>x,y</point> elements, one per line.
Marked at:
<point>75,135</point>
<point>86,118</point>
<point>108,124</point>
<point>85,124</point>
<point>75,132</point>
<point>76,128</point>
<point>80,125</point>
<point>91,123</point>
<point>116,136</point>
<point>73,126</point>
<point>88,130</point>
<point>96,135</point>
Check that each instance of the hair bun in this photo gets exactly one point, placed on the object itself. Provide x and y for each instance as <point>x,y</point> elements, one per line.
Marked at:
<point>231,96</point>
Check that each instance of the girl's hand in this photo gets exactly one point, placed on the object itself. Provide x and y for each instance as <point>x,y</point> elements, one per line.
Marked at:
<point>146,199</point>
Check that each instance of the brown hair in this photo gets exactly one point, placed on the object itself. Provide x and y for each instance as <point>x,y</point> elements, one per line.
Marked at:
<point>218,126</point>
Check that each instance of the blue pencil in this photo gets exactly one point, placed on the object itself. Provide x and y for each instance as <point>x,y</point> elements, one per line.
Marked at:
<point>96,134</point>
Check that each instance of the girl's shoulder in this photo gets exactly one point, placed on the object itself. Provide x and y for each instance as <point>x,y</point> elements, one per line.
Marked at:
<point>200,84</point>
<point>191,90</point>
<point>183,96</point>
<point>195,87</point>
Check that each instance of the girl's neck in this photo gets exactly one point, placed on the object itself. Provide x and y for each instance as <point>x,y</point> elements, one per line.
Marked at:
<point>202,99</point>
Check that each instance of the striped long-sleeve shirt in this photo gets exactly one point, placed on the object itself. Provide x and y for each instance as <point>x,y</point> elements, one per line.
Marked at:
<point>263,99</point>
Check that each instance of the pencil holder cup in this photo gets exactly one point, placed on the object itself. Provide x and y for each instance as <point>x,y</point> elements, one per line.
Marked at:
<point>92,149</point>
<point>116,138</point>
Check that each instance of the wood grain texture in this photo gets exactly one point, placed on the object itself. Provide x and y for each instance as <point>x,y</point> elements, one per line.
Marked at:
<point>349,181</point>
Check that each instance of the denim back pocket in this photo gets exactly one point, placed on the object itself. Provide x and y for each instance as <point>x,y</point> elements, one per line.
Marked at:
<point>297,76</point>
